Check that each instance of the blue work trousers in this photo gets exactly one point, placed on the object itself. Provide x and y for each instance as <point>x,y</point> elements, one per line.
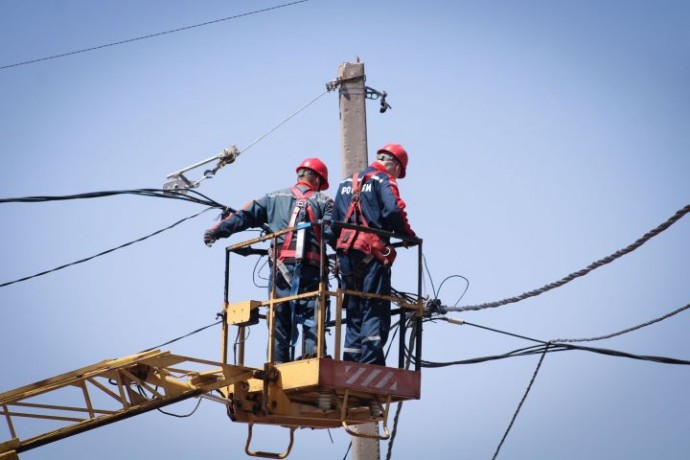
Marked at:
<point>368,320</point>
<point>286,320</point>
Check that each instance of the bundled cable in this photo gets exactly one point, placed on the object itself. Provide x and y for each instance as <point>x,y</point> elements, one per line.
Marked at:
<point>594,265</point>
<point>185,195</point>
<point>543,347</point>
<point>559,345</point>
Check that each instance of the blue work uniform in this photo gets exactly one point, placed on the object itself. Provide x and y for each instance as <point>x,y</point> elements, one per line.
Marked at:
<point>368,320</point>
<point>275,210</point>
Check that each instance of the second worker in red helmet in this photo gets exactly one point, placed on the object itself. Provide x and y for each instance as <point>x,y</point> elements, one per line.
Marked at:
<point>370,198</point>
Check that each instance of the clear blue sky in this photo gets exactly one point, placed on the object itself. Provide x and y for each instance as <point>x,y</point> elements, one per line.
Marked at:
<point>542,136</point>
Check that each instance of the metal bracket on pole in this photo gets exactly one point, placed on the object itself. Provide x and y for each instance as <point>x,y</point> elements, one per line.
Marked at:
<point>178,181</point>
<point>371,93</point>
<point>374,95</point>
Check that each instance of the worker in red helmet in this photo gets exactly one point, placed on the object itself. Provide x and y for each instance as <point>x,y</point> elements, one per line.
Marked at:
<point>298,265</point>
<point>370,198</point>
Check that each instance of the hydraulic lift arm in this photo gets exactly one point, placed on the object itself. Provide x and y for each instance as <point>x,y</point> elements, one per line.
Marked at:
<point>107,392</point>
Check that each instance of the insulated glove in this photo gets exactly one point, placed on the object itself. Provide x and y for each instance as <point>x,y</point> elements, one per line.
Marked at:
<point>209,238</point>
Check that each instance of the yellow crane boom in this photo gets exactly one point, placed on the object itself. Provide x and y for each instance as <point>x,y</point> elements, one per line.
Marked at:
<point>106,392</point>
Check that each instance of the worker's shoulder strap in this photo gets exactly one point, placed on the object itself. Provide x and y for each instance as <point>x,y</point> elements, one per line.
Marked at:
<point>301,210</point>
<point>299,194</point>
<point>302,203</point>
<point>355,203</point>
<point>368,243</point>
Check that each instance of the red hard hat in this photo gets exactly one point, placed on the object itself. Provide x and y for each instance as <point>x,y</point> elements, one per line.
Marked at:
<point>319,167</point>
<point>399,153</point>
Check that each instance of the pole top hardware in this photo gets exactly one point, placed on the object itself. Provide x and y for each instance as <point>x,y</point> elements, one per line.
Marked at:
<point>371,93</point>
<point>178,181</point>
<point>375,95</point>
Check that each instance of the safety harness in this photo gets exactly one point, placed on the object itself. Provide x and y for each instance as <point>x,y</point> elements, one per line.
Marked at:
<point>302,217</point>
<point>297,250</point>
<point>369,243</point>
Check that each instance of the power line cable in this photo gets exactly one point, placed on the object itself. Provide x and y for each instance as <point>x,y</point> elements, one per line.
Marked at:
<point>561,344</point>
<point>398,409</point>
<point>623,354</point>
<point>599,263</point>
<point>184,195</point>
<point>211,173</point>
<point>349,446</point>
<point>157,232</point>
<point>527,351</point>
<point>555,347</point>
<point>143,37</point>
<point>522,402</point>
<point>547,347</point>
<point>551,346</point>
<point>260,138</point>
<point>630,329</point>
<point>189,334</point>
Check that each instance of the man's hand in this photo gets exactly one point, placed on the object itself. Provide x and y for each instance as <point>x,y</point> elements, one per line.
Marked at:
<point>209,238</point>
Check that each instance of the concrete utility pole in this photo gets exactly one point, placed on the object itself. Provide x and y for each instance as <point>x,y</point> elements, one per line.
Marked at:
<point>353,118</point>
<point>353,158</point>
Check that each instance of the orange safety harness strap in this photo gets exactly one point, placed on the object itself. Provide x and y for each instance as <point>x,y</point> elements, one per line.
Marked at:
<point>296,251</point>
<point>303,217</point>
<point>369,243</point>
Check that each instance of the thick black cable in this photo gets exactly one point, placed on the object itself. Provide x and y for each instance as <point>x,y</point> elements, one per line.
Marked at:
<point>522,401</point>
<point>599,263</point>
<point>623,354</point>
<point>565,344</point>
<point>554,347</point>
<point>157,232</point>
<point>560,345</point>
<point>150,192</point>
<point>396,418</point>
<point>407,296</point>
<point>143,395</point>
<point>208,201</point>
<point>143,37</point>
<point>527,351</point>
<point>198,403</point>
<point>349,446</point>
<point>398,410</point>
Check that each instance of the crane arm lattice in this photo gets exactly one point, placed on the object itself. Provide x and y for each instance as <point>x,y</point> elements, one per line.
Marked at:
<point>103,393</point>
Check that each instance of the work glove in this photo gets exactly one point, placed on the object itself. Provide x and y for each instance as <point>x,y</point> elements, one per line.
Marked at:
<point>209,237</point>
